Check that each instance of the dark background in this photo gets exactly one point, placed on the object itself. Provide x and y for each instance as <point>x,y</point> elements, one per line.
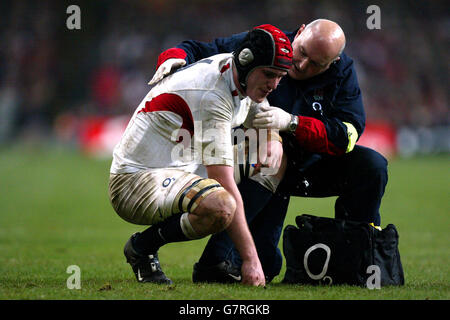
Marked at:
<point>51,78</point>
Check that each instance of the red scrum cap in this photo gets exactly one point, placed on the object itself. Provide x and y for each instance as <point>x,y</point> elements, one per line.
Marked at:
<point>263,46</point>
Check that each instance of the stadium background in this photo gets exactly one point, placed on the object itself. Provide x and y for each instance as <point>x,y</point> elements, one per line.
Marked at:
<point>77,88</point>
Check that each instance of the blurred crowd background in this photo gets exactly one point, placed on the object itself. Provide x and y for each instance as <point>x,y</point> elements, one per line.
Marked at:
<point>56,83</point>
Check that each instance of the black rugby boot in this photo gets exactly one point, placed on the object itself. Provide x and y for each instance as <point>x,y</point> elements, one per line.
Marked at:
<point>145,267</point>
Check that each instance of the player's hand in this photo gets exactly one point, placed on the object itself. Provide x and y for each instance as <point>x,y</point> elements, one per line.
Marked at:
<point>272,118</point>
<point>270,154</point>
<point>167,67</point>
<point>252,273</point>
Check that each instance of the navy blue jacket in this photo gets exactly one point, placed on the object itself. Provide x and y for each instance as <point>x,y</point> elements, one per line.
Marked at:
<point>324,103</point>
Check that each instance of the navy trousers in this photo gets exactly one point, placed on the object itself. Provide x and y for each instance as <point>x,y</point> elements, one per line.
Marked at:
<point>357,178</point>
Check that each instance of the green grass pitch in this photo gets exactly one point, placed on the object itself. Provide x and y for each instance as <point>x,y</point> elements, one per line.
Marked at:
<point>54,213</point>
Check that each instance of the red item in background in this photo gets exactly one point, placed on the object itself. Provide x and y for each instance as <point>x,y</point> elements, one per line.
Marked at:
<point>381,137</point>
<point>99,135</point>
<point>106,86</point>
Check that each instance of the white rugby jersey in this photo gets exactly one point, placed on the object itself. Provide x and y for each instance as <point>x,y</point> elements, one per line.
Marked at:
<point>199,103</point>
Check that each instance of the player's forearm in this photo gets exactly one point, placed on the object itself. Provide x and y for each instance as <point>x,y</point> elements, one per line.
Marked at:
<point>238,229</point>
<point>240,234</point>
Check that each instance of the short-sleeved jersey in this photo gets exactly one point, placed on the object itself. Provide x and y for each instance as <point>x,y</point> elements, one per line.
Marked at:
<point>185,120</point>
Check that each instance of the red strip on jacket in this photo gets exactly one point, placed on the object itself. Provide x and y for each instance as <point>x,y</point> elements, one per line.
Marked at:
<point>311,134</point>
<point>169,54</point>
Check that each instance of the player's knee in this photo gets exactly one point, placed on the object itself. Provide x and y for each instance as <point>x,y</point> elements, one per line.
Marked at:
<point>372,165</point>
<point>222,210</point>
<point>217,211</point>
<point>377,167</point>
